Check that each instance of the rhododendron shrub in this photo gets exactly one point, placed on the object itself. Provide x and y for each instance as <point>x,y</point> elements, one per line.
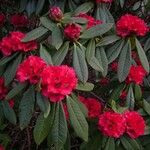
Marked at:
<point>74,74</point>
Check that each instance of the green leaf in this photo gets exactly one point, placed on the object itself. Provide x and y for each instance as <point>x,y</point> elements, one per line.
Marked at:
<point>57,37</point>
<point>16,90</point>
<point>5,60</point>
<point>44,104</point>
<point>94,63</point>
<point>126,144</point>
<point>39,6</point>
<point>114,51</point>
<point>110,145</point>
<point>138,92</point>
<point>90,51</point>
<point>26,107</point>
<point>146,106</point>
<point>35,34</point>
<point>130,102</point>
<point>84,8</point>
<point>47,23</point>
<point>9,112</point>
<point>42,128</point>
<point>124,62</point>
<point>60,55</point>
<point>78,20</point>
<point>85,86</point>
<point>44,54</point>
<point>97,30</point>
<point>11,70</point>
<point>102,58</point>
<point>142,55</point>
<point>80,64</point>
<point>108,40</point>
<point>59,128</point>
<point>77,119</point>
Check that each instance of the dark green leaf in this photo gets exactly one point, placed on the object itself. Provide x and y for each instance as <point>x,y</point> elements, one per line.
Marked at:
<point>110,145</point>
<point>130,102</point>
<point>126,144</point>
<point>35,34</point>
<point>146,106</point>
<point>77,119</point>
<point>85,86</point>
<point>39,6</point>
<point>26,107</point>
<point>138,92</point>
<point>97,30</point>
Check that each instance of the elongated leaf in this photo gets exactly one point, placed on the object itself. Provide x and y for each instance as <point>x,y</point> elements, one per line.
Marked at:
<point>142,55</point>
<point>97,30</point>
<point>45,55</point>
<point>60,55</point>
<point>130,102</point>
<point>94,63</point>
<point>78,20</point>
<point>16,90</point>
<point>57,37</point>
<point>124,62</point>
<point>39,6</point>
<point>77,119</point>
<point>35,34</point>
<point>146,106</point>
<point>108,40</point>
<point>114,50</point>
<point>42,128</point>
<point>138,92</point>
<point>110,145</point>
<point>80,64</point>
<point>9,112</point>
<point>26,107</point>
<point>126,143</point>
<point>102,58</point>
<point>85,86</point>
<point>90,51</point>
<point>5,60</point>
<point>11,70</point>
<point>59,128</point>
<point>84,8</point>
<point>47,23</point>
<point>44,104</point>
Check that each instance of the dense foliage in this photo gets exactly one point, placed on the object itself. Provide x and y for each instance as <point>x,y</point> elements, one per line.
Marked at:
<point>74,74</point>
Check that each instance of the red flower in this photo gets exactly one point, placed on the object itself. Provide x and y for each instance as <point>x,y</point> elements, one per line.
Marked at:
<point>129,24</point>
<point>12,43</point>
<point>66,111</point>
<point>57,82</point>
<point>104,81</point>
<point>90,20</point>
<point>135,124</point>
<point>2,19</point>
<point>94,107</point>
<point>3,89</point>
<point>114,66</point>
<point>55,14</point>
<point>123,95</point>
<point>136,74</point>
<point>1,147</point>
<point>30,69</point>
<point>19,20</point>
<point>72,31</point>
<point>11,103</point>
<point>104,1</point>
<point>112,124</point>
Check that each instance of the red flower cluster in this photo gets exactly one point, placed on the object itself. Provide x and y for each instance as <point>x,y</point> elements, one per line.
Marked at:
<point>31,69</point>
<point>19,20</point>
<point>104,1</point>
<point>135,124</point>
<point>104,81</point>
<point>2,19</point>
<point>3,89</point>
<point>123,95</point>
<point>114,66</point>
<point>57,82</point>
<point>1,147</point>
<point>72,31</point>
<point>12,43</point>
<point>90,20</point>
<point>55,14</point>
<point>136,74</point>
<point>129,24</point>
<point>112,124</point>
<point>94,107</point>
